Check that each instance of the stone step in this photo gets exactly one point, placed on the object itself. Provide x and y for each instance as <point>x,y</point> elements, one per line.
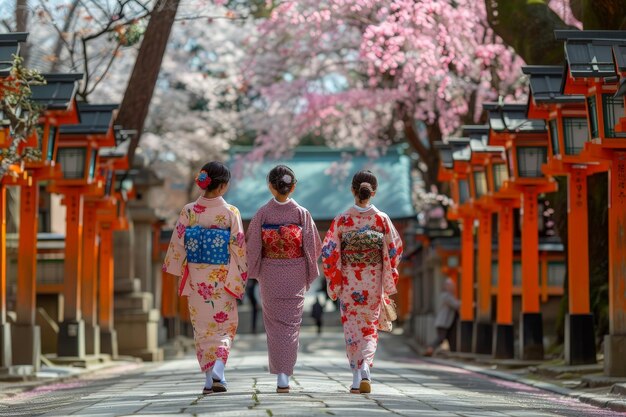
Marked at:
<point>127,285</point>
<point>142,301</point>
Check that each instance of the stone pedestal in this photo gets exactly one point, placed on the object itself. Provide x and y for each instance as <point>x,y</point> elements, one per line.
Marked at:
<point>614,354</point>
<point>27,342</point>
<point>71,339</point>
<point>504,341</point>
<point>6,357</point>
<point>138,334</point>
<point>531,336</point>
<point>108,342</point>
<point>465,336</point>
<point>580,339</point>
<point>482,338</point>
<point>92,339</point>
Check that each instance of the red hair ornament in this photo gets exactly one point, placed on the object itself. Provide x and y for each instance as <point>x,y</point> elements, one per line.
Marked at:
<point>203,180</point>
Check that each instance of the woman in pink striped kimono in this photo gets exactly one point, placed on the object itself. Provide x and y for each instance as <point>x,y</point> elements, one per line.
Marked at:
<point>208,251</point>
<point>360,255</point>
<point>283,248</point>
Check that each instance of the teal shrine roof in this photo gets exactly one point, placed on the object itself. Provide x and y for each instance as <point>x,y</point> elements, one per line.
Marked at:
<point>324,194</point>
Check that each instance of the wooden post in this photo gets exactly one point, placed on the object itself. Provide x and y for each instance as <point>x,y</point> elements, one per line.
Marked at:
<point>71,342</point>
<point>466,326</point>
<point>5,328</point>
<point>108,336</point>
<point>531,330</point>
<point>615,342</point>
<point>483,330</point>
<point>26,334</point>
<point>27,253</point>
<point>579,329</point>
<point>89,279</point>
<point>503,346</point>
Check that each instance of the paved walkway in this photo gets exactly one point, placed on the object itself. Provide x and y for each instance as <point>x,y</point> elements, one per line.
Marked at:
<point>402,385</point>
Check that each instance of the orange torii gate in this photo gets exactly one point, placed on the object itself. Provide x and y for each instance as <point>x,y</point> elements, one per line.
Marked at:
<point>57,98</point>
<point>526,145</point>
<point>503,199</point>
<point>456,158</point>
<point>596,69</point>
<point>566,117</point>
<point>9,46</point>
<point>110,216</point>
<point>481,187</point>
<point>78,156</point>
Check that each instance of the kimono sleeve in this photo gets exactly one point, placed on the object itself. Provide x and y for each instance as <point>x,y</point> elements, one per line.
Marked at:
<point>393,255</point>
<point>175,258</point>
<point>255,246</point>
<point>331,260</point>
<point>312,247</point>
<point>238,265</point>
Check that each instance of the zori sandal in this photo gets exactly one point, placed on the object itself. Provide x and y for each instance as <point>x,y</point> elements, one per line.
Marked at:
<point>283,390</point>
<point>365,386</point>
<point>219,386</point>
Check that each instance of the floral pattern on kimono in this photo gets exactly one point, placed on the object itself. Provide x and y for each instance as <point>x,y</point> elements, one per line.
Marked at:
<point>360,278</point>
<point>212,289</point>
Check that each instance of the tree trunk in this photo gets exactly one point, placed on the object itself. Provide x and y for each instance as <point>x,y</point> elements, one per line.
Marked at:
<point>528,27</point>
<point>136,102</point>
<point>21,24</point>
<point>58,47</point>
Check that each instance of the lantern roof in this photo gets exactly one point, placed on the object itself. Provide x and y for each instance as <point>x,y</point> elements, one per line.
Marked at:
<point>58,92</point>
<point>589,53</point>
<point>445,154</point>
<point>480,132</point>
<point>512,118</point>
<point>95,119</point>
<point>9,46</point>
<point>546,84</point>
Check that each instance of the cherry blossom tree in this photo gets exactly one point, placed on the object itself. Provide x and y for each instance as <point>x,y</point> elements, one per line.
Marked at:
<point>368,74</point>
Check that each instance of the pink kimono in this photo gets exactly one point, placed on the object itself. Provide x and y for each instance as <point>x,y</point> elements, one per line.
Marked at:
<point>214,284</point>
<point>283,248</point>
<point>361,253</point>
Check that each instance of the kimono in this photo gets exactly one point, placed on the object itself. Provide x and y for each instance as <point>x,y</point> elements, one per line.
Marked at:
<point>360,256</point>
<point>283,248</point>
<point>208,251</point>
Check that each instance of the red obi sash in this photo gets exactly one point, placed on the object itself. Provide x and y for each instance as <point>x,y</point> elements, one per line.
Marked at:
<point>282,241</point>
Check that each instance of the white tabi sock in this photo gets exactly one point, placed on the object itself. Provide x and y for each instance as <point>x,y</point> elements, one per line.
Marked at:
<point>365,371</point>
<point>356,379</point>
<point>209,380</point>
<point>282,380</point>
<point>218,371</point>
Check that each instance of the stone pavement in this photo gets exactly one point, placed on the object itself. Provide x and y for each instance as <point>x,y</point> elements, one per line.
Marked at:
<point>402,385</point>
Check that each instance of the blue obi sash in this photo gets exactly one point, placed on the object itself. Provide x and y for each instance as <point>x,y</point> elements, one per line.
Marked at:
<point>207,246</point>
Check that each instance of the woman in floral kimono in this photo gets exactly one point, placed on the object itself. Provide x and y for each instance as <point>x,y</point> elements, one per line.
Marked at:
<point>283,248</point>
<point>208,251</point>
<point>360,256</point>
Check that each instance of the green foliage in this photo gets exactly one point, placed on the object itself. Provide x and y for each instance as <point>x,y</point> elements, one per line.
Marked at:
<point>19,114</point>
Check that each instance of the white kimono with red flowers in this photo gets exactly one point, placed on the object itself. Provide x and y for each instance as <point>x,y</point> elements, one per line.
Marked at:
<point>212,289</point>
<point>360,255</point>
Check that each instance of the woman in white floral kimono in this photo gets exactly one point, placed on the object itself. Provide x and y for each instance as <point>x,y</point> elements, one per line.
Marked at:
<point>361,253</point>
<point>208,252</point>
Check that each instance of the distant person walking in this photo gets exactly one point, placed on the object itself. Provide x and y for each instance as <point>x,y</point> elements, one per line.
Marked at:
<point>317,312</point>
<point>446,315</point>
<point>208,250</point>
<point>254,303</point>
<point>283,248</point>
<point>361,253</point>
